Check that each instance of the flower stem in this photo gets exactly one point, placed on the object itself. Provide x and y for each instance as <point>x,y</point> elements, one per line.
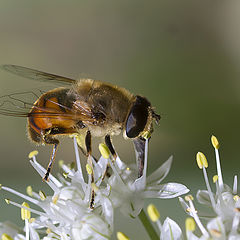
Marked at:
<point>148,226</point>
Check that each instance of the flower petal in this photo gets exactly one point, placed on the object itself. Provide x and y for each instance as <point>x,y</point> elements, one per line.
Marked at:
<point>203,197</point>
<point>158,175</point>
<point>216,228</point>
<point>171,230</point>
<point>168,190</point>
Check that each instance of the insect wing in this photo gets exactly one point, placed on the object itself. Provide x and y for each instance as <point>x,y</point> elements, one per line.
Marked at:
<point>18,104</point>
<point>36,75</point>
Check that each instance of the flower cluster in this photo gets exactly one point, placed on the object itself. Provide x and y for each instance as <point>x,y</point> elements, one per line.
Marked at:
<point>223,218</point>
<point>82,207</point>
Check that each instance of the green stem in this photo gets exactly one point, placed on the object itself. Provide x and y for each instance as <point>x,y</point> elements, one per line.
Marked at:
<point>148,226</point>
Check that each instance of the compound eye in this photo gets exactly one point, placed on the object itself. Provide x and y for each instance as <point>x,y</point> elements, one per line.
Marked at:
<point>137,118</point>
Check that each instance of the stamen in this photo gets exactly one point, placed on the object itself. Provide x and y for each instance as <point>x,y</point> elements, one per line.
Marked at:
<point>153,213</point>
<point>78,161</point>
<point>25,214</point>
<point>65,175</point>
<point>89,169</point>
<point>215,178</point>
<point>33,154</point>
<point>215,142</point>
<point>116,172</point>
<point>55,199</point>
<point>104,150</point>
<point>67,170</point>
<point>122,236</point>
<point>53,183</point>
<point>60,163</point>
<point>236,198</point>
<point>189,198</point>
<point>190,224</point>
<point>219,171</point>
<point>29,191</point>
<point>31,220</point>
<point>235,182</point>
<point>8,201</point>
<point>201,160</point>
<point>197,220</point>
<point>42,195</point>
<point>6,237</point>
<point>209,188</point>
<point>203,164</point>
<point>36,202</point>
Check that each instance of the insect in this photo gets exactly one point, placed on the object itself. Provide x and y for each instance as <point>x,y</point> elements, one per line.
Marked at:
<point>86,107</point>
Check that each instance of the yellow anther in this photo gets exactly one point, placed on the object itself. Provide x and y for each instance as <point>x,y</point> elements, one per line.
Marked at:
<point>6,237</point>
<point>60,163</point>
<point>29,191</point>
<point>104,150</point>
<point>48,230</point>
<point>146,134</point>
<point>128,169</point>
<point>80,140</point>
<point>122,236</point>
<point>94,187</point>
<point>42,195</point>
<point>32,154</point>
<point>31,220</point>
<point>153,212</point>
<point>65,175</point>
<point>215,178</point>
<point>89,169</point>
<point>189,198</point>
<point>236,198</point>
<point>215,142</point>
<point>7,200</point>
<point>190,224</point>
<point>201,160</point>
<point>25,214</point>
<point>55,199</point>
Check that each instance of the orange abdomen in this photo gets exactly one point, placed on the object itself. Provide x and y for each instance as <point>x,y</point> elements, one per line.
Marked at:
<point>47,114</point>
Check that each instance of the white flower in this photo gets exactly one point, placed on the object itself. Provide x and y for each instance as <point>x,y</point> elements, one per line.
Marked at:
<point>67,214</point>
<point>171,230</point>
<point>128,192</point>
<point>224,211</point>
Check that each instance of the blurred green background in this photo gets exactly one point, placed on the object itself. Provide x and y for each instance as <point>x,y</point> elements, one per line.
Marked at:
<point>184,56</point>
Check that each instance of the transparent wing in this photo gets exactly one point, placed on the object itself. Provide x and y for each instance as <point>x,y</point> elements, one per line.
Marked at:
<point>18,104</point>
<point>21,105</point>
<point>36,75</point>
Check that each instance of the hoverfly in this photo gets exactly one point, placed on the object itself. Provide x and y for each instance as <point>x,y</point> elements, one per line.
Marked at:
<point>86,107</point>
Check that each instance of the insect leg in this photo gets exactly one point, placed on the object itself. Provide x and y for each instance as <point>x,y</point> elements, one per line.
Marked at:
<point>110,146</point>
<point>112,151</point>
<point>51,161</point>
<point>139,146</point>
<point>88,143</point>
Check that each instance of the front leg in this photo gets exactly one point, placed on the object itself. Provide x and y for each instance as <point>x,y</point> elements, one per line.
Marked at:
<point>88,143</point>
<point>139,146</point>
<point>50,140</point>
<point>110,146</point>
